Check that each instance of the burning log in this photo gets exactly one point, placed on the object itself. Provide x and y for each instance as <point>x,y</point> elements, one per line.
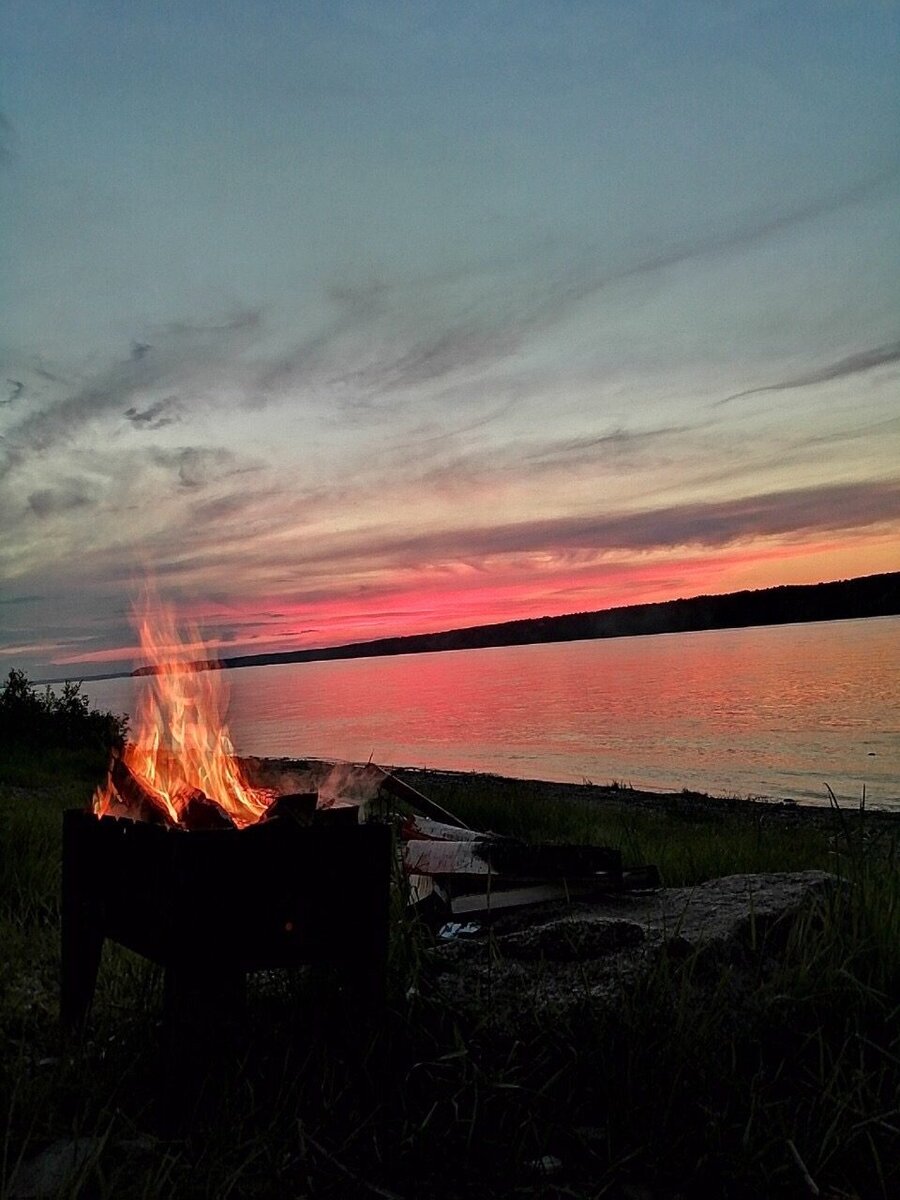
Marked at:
<point>198,811</point>
<point>195,810</point>
<point>298,807</point>
<point>141,804</point>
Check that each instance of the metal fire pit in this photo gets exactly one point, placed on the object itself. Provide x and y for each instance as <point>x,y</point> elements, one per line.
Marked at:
<point>210,906</point>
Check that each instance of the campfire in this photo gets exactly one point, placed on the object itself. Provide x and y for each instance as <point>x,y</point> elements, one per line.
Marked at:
<point>185,861</point>
<point>180,769</point>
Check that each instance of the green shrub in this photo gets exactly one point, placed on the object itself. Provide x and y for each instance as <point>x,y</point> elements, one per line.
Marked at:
<point>43,733</point>
<point>48,720</point>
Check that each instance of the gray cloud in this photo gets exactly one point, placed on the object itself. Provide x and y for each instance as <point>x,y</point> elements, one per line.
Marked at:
<point>853,364</point>
<point>439,466</point>
<point>355,307</point>
<point>156,415</point>
<point>50,502</point>
<point>588,278</point>
<point>180,348</point>
<point>194,466</point>
<point>830,507</point>
<point>321,566</point>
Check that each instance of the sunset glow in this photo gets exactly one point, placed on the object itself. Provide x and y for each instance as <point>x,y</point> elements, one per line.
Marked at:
<point>350,321</point>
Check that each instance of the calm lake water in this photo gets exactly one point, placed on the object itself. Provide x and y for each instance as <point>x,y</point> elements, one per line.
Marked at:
<point>774,711</point>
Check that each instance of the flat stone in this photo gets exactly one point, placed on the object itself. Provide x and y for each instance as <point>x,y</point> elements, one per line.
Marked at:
<point>559,956</point>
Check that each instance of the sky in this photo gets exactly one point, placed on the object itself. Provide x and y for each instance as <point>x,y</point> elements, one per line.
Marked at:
<point>348,320</point>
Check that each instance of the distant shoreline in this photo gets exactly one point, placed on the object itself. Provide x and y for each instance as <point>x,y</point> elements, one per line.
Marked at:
<point>444,784</point>
<point>791,604</point>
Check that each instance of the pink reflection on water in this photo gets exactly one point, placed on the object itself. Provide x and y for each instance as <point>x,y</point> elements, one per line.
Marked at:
<point>777,711</point>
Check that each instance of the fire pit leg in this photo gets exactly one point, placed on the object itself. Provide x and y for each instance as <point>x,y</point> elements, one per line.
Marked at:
<point>82,946</point>
<point>81,931</point>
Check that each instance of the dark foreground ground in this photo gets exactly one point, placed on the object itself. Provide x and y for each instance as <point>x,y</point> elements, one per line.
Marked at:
<point>792,1089</point>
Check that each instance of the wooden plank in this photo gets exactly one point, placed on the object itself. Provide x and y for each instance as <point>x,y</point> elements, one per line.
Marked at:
<point>512,860</point>
<point>482,904</point>
<point>418,826</point>
<point>445,858</point>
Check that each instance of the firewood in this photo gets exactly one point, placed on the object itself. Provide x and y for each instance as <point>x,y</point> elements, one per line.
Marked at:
<point>198,811</point>
<point>402,791</point>
<point>298,807</point>
<point>337,815</point>
<point>139,801</point>
<point>424,857</point>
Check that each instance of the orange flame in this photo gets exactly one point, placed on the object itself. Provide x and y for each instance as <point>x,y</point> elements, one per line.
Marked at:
<point>180,740</point>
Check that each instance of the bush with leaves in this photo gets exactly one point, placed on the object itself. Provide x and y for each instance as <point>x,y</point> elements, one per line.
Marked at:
<point>55,721</point>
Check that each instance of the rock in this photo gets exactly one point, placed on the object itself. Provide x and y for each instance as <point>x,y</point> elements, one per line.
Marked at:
<point>573,940</point>
<point>553,959</point>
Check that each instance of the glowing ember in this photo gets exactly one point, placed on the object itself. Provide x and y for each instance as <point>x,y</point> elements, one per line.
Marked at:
<point>181,744</point>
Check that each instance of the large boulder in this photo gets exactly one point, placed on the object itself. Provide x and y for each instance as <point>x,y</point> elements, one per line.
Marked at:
<point>547,961</point>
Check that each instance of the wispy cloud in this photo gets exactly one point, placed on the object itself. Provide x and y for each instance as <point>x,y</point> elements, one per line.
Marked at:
<point>512,311</point>
<point>617,441</point>
<point>590,279</point>
<point>462,347</point>
<point>180,349</point>
<point>853,364</point>
<point>256,541</point>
